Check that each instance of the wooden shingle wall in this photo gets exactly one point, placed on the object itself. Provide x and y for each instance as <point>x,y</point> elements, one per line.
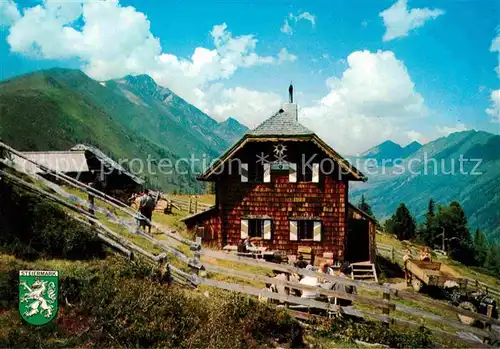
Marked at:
<point>282,201</point>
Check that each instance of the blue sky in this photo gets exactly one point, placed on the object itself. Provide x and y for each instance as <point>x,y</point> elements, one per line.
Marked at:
<point>364,71</point>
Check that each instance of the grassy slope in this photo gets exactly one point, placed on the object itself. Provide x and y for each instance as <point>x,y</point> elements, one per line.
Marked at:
<point>9,319</point>
<point>83,317</point>
<point>382,238</point>
<point>455,268</point>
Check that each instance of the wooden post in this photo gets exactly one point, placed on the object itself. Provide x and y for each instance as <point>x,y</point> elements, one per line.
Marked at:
<point>387,297</point>
<point>392,255</point>
<point>195,263</point>
<point>195,204</point>
<point>197,252</point>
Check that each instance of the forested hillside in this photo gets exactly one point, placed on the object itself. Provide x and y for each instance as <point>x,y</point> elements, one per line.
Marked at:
<point>436,173</point>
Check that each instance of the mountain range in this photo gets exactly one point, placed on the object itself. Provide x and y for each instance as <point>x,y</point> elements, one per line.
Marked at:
<point>127,118</point>
<point>434,171</point>
<point>391,150</point>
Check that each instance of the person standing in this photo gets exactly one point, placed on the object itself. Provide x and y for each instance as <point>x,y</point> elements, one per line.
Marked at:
<point>97,185</point>
<point>146,208</point>
<point>425,255</point>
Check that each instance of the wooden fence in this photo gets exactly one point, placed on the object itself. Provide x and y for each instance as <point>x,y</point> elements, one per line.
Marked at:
<point>191,205</point>
<point>193,269</point>
<point>396,256</point>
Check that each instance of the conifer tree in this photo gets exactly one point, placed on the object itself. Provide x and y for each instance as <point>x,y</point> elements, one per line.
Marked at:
<point>365,206</point>
<point>459,243</point>
<point>403,223</point>
<point>427,234</point>
<point>480,248</point>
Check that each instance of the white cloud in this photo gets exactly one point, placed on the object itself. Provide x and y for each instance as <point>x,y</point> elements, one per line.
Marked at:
<point>284,56</point>
<point>8,13</point>
<point>399,20</point>
<point>416,136</point>
<point>116,40</point>
<point>291,18</point>
<point>368,104</point>
<point>494,110</point>
<point>286,28</point>
<point>447,130</point>
<point>307,16</point>
<point>251,107</point>
<point>495,47</point>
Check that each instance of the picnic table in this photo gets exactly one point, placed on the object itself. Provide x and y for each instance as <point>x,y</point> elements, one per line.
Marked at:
<point>253,251</point>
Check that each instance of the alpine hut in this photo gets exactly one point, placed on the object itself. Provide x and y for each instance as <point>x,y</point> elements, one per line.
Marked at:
<point>286,188</point>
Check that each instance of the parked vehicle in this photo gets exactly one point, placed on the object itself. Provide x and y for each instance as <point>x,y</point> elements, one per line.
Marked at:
<point>472,300</point>
<point>423,273</point>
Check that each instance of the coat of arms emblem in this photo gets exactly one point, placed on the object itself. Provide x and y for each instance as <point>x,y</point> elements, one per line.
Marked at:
<point>38,295</point>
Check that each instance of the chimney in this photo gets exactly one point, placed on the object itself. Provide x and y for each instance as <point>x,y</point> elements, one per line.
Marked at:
<point>291,108</point>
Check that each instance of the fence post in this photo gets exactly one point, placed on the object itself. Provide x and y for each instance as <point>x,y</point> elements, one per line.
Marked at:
<point>195,204</point>
<point>387,297</point>
<point>195,263</point>
<point>393,257</point>
<point>164,275</point>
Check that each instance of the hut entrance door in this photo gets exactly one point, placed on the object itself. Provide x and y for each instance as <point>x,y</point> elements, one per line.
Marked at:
<point>358,241</point>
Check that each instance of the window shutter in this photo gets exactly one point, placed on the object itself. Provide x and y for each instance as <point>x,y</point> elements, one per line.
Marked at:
<point>267,229</point>
<point>244,172</point>
<point>315,175</point>
<point>292,177</point>
<point>244,228</point>
<point>267,173</point>
<point>317,231</point>
<point>293,231</point>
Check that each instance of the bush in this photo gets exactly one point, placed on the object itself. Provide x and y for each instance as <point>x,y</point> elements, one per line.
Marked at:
<point>376,332</point>
<point>31,228</point>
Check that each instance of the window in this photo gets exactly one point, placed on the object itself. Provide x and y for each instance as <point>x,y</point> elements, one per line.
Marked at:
<point>308,173</point>
<point>255,228</point>
<point>305,174</point>
<point>305,230</point>
<point>257,173</point>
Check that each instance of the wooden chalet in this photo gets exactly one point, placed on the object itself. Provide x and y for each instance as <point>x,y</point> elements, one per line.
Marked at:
<point>286,188</point>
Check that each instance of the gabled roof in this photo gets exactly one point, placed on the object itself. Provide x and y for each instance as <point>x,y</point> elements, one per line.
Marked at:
<point>280,124</point>
<point>199,214</point>
<point>361,212</point>
<point>107,161</point>
<point>60,161</point>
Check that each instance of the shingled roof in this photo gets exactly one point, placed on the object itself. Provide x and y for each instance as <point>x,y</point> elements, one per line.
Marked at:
<point>280,124</point>
<point>107,161</point>
<point>283,124</point>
